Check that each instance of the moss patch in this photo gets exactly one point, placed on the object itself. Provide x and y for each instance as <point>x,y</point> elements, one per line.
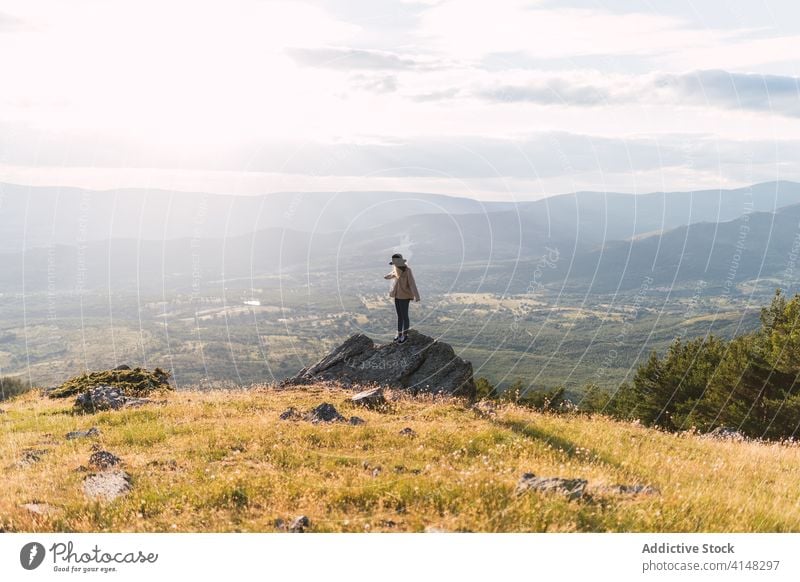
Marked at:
<point>135,382</point>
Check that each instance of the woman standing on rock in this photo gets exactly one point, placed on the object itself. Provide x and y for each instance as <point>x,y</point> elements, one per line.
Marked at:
<point>404,289</point>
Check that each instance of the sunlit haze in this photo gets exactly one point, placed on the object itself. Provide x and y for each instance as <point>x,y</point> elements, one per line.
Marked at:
<point>497,100</point>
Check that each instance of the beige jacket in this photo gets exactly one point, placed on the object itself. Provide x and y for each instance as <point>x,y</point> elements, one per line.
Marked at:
<point>403,284</point>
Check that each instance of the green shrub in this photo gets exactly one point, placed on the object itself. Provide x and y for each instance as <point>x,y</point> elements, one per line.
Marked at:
<point>749,383</point>
<point>12,386</point>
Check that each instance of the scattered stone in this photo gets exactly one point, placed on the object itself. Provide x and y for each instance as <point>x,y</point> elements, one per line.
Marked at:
<point>355,421</point>
<point>30,456</point>
<point>170,464</point>
<point>107,485</point>
<point>571,488</point>
<point>400,469</point>
<point>325,413</point>
<point>409,432</point>
<point>38,508</point>
<point>726,433</point>
<point>372,398</point>
<point>106,398</point>
<point>434,529</point>
<point>131,402</point>
<point>388,523</point>
<point>279,524</point>
<point>374,470</point>
<point>80,434</point>
<point>102,460</point>
<point>628,490</point>
<point>123,367</point>
<point>300,524</point>
<point>419,365</point>
<point>290,413</point>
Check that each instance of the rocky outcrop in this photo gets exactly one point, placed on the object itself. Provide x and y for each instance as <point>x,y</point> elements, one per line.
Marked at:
<point>421,365</point>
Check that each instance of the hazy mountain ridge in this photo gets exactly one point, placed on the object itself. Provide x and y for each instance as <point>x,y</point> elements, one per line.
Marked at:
<point>33,217</point>
<point>589,232</point>
<point>758,246</point>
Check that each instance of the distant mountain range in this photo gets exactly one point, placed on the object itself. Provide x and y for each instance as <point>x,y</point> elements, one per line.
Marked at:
<point>43,216</point>
<point>761,247</point>
<point>605,241</point>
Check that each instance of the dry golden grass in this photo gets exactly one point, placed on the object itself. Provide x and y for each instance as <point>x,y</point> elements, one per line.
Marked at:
<point>223,461</point>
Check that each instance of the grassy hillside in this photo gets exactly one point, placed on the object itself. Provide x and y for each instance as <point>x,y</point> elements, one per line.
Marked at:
<point>224,461</point>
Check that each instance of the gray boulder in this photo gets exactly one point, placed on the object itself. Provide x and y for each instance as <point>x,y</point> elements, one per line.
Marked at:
<point>420,365</point>
<point>325,413</point>
<point>372,398</point>
<point>571,488</point>
<point>107,485</point>
<point>109,481</point>
<point>106,397</point>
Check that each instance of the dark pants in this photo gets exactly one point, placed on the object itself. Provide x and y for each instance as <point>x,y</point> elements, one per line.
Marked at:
<point>403,323</point>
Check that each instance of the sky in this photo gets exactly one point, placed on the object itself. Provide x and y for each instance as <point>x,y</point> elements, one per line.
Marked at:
<point>501,99</point>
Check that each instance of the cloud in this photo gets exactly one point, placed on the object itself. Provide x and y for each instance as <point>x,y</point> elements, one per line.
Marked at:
<point>768,93</point>
<point>9,23</point>
<point>353,59</point>
<point>548,92</point>
<point>475,28</point>
<point>443,95</point>
<point>776,94</point>
<point>375,83</point>
<point>742,53</point>
<point>535,156</point>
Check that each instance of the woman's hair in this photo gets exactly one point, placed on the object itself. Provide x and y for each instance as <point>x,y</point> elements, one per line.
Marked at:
<point>403,268</point>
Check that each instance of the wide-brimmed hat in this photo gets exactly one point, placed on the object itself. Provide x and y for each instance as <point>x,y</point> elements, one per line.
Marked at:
<point>398,260</point>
